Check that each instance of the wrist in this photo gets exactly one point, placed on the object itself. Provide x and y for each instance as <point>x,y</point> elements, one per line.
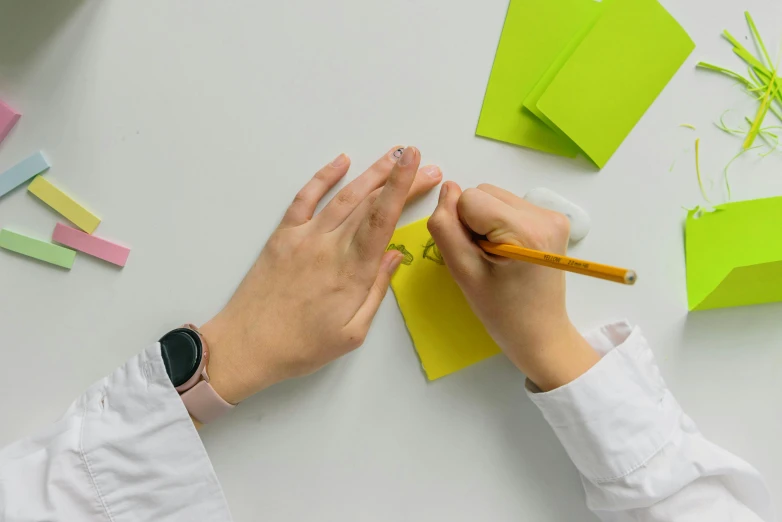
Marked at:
<point>234,370</point>
<point>558,359</point>
<point>226,374</point>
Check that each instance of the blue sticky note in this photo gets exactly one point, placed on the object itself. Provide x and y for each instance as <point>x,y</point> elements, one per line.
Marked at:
<point>21,172</point>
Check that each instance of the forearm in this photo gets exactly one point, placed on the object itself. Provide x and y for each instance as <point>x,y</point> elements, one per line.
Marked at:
<point>640,456</point>
<point>125,450</point>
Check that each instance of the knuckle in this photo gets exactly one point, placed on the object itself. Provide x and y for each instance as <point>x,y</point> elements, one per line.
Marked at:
<point>301,198</point>
<point>278,246</point>
<point>363,251</point>
<point>321,175</point>
<point>560,224</point>
<point>469,194</point>
<point>436,223</point>
<point>321,260</point>
<point>275,242</point>
<point>377,219</point>
<point>467,200</point>
<point>346,275</point>
<point>460,271</point>
<point>347,197</point>
<point>379,288</point>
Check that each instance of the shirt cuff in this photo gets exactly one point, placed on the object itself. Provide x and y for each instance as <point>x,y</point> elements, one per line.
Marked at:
<point>142,452</point>
<point>619,414</point>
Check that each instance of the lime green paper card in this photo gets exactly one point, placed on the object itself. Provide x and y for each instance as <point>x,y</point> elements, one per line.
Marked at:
<point>734,255</point>
<point>532,99</point>
<point>534,34</point>
<point>614,75</point>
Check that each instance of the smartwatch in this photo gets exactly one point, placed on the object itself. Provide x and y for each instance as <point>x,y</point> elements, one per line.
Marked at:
<point>185,356</point>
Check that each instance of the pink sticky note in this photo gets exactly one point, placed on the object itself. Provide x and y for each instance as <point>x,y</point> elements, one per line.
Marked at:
<point>8,118</point>
<point>92,245</point>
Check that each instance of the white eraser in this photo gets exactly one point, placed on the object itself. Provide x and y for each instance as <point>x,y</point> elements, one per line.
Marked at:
<point>580,222</point>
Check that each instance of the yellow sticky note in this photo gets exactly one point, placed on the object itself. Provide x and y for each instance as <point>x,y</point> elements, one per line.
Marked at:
<point>447,335</point>
<point>64,204</point>
<point>734,255</point>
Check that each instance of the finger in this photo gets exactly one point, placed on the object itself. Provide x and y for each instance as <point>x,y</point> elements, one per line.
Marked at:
<point>379,221</point>
<point>425,180</point>
<point>452,238</point>
<point>351,196</point>
<point>305,202</point>
<point>363,317</point>
<point>487,216</point>
<point>509,198</point>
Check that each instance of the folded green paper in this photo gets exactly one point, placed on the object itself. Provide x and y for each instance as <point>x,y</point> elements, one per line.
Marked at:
<point>585,73</point>
<point>734,255</point>
<point>614,75</point>
<point>534,34</point>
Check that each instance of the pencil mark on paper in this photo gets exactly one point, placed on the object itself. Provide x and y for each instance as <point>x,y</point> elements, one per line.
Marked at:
<point>432,253</point>
<point>408,257</point>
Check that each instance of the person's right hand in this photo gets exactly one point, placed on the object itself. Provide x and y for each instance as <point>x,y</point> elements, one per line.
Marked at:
<point>522,305</point>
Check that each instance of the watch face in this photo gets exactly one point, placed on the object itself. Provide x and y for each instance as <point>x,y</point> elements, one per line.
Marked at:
<point>181,351</point>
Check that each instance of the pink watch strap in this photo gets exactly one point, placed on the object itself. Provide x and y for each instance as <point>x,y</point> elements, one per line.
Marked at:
<point>203,402</point>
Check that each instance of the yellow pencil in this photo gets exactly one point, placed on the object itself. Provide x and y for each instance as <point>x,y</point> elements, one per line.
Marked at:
<point>569,264</point>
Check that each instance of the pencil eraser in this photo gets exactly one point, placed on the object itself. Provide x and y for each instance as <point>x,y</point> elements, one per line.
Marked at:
<point>8,118</point>
<point>92,245</point>
<point>21,172</point>
<point>580,222</point>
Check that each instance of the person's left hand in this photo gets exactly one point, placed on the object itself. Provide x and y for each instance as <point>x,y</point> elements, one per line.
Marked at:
<point>313,292</point>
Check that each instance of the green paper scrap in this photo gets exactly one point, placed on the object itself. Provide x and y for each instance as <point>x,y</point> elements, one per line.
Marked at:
<point>534,34</point>
<point>35,248</point>
<point>614,75</point>
<point>734,256</point>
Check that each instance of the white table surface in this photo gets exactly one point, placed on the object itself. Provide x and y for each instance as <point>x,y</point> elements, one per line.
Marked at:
<point>189,125</point>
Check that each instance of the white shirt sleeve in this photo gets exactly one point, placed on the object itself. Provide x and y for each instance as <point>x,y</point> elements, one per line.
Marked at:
<point>641,458</point>
<point>126,450</point>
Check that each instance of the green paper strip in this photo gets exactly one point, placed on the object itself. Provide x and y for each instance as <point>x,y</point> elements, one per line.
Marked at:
<point>37,249</point>
<point>758,40</point>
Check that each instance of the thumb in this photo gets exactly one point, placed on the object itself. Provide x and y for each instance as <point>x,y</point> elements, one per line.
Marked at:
<point>388,265</point>
<point>453,240</point>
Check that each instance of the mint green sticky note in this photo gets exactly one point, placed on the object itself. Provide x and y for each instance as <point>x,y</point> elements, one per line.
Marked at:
<point>35,248</point>
<point>614,75</point>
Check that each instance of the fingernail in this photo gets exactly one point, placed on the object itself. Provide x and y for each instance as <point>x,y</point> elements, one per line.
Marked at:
<point>407,157</point>
<point>395,262</point>
<point>433,171</point>
<point>339,161</point>
<point>443,191</point>
<point>397,154</point>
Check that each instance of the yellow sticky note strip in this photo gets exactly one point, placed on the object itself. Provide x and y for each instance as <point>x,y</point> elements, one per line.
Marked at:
<point>734,256</point>
<point>64,204</point>
<point>447,335</point>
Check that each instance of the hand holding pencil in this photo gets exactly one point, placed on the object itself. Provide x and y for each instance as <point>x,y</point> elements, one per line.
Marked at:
<point>521,304</point>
